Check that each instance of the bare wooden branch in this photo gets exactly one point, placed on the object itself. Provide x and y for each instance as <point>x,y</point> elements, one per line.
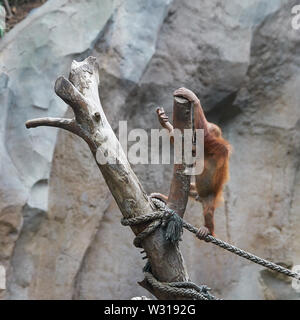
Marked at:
<point>70,95</point>
<point>180,185</point>
<point>81,93</point>
<point>66,124</point>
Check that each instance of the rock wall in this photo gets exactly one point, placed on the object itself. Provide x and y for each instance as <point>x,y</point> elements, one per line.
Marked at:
<point>60,233</point>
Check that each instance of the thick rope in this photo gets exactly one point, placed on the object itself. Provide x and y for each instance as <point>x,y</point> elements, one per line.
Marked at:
<point>183,289</point>
<point>249,256</point>
<point>168,219</point>
<point>156,218</point>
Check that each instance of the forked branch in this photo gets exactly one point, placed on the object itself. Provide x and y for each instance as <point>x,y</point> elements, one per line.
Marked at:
<point>90,123</point>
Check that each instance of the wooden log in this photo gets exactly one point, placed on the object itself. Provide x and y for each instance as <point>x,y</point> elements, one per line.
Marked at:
<point>90,123</point>
<point>180,185</point>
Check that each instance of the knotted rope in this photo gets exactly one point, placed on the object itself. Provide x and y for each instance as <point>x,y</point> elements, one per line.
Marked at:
<point>182,289</point>
<point>173,225</point>
<point>247,255</point>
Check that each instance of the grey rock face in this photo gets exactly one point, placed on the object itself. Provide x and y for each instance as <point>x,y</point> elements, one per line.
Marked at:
<point>35,52</point>
<point>60,234</point>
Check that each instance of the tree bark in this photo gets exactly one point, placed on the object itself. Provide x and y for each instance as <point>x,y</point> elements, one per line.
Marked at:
<point>90,123</point>
<point>180,185</point>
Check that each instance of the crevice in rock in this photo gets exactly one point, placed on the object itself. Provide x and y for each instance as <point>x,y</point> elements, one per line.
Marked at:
<point>225,110</point>
<point>76,283</point>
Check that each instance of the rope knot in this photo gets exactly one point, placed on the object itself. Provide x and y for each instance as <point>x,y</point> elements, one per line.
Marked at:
<point>173,226</point>
<point>164,217</point>
<point>172,223</point>
<point>186,289</point>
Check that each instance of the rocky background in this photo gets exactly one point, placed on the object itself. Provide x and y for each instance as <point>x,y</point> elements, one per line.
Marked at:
<point>60,235</point>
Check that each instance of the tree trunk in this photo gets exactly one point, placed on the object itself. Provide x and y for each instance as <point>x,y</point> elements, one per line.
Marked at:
<point>90,123</point>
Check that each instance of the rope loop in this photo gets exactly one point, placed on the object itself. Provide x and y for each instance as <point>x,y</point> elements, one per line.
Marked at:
<point>173,225</point>
<point>181,289</point>
<point>164,217</point>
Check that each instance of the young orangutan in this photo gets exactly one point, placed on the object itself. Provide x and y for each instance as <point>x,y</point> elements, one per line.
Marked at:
<point>209,184</point>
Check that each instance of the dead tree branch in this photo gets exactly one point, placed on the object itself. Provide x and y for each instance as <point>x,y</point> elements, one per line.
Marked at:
<point>180,185</point>
<point>80,92</point>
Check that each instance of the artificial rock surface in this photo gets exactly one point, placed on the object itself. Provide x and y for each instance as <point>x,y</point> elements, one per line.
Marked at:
<point>60,235</point>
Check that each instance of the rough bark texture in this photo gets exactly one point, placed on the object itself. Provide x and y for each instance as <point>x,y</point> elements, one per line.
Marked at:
<point>180,185</point>
<point>80,92</point>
